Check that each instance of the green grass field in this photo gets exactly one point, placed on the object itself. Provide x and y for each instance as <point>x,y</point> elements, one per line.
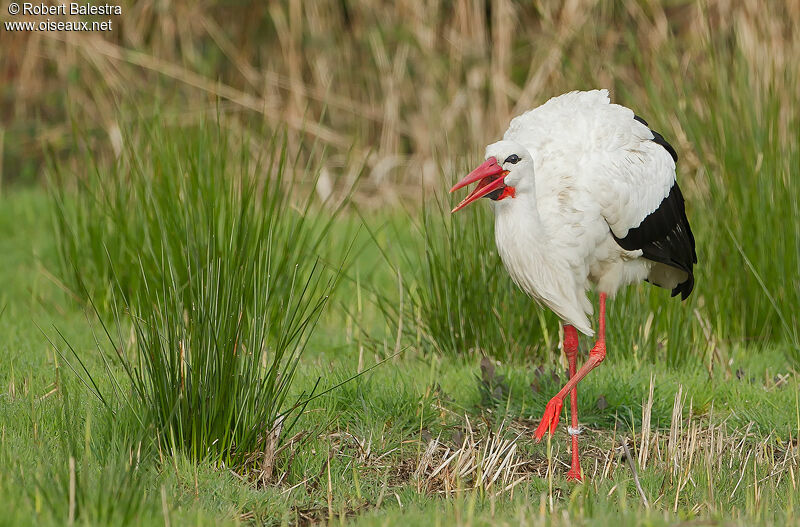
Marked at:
<point>231,291</point>
<point>370,451</point>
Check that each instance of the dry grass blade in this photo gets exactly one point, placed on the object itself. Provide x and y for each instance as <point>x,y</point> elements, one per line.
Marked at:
<point>647,410</point>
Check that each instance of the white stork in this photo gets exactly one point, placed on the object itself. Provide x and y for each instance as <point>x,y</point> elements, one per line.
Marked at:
<point>584,193</point>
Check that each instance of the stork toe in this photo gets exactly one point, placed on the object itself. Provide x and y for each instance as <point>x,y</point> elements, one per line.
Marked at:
<point>574,474</point>
<point>552,413</point>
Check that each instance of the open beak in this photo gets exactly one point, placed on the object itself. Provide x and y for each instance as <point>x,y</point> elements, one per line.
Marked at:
<point>489,176</point>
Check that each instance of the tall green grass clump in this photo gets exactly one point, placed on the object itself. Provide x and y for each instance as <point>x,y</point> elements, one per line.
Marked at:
<point>214,271</point>
<point>460,300</point>
<point>215,357</point>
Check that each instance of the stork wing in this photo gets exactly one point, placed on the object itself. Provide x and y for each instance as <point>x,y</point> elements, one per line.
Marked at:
<point>644,207</point>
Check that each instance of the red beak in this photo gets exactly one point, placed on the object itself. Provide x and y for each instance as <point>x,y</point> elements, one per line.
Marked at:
<point>490,177</point>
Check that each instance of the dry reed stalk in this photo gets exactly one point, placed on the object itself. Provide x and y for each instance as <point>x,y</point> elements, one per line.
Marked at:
<point>647,409</point>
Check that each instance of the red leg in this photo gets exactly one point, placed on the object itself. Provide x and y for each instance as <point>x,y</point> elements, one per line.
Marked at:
<point>553,409</point>
<point>571,351</point>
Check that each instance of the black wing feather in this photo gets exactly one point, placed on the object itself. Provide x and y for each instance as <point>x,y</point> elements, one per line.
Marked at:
<point>665,236</point>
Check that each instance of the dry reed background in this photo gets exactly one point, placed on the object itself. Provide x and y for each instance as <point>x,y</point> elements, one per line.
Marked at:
<point>408,89</point>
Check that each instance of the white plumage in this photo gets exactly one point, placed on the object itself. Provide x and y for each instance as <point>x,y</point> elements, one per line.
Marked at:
<point>586,169</point>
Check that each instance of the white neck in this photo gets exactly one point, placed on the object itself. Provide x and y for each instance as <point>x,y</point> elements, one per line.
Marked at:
<point>524,245</point>
<point>519,217</point>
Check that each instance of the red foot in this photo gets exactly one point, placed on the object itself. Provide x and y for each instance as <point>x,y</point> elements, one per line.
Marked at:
<point>550,419</point>
<point>575,475</point>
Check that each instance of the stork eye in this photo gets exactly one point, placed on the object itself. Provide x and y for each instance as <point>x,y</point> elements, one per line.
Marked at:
<point>513,159</point>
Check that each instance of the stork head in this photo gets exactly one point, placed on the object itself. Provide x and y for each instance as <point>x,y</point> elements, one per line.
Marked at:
<point>500,176</point>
